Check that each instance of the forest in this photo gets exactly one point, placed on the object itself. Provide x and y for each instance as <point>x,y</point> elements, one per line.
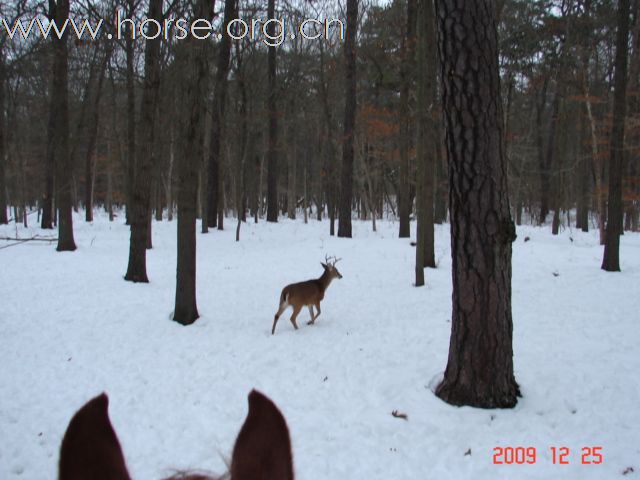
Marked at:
<point>174,163</point>
<point>273,121</point>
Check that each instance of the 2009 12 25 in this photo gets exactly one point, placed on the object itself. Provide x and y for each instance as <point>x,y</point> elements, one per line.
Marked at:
<point>559,455</point>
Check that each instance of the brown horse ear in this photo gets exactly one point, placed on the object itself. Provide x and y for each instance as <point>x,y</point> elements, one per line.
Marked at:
<point>263,448</point>
<point>90,448</point>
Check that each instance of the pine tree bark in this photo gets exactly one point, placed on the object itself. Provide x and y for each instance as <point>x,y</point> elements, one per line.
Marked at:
<point>272,152</point>
<point>480,366</point>
<point>611,258</point>
<point>346,181</point>
<point>141,195</point>
<point>58,132</point>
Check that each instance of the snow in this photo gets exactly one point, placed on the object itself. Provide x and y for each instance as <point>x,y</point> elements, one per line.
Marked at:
<point>71,327</point>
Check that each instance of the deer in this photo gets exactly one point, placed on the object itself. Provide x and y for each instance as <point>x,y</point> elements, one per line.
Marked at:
<point>309,293</point>
<point>90,448</point>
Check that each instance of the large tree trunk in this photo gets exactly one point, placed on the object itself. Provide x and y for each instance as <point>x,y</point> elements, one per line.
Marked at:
<point>346,181</point>
<point>611,258</point>
<point>58,131</point>
<point>272,152</point>
<point>480,367</point>
<point>194,90</point>
<point>407,74</point>
<point>3,185</point>
<point>214,183</point>
<point>137,268</point>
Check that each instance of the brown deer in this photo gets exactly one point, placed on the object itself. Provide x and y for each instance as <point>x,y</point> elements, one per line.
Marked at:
<point>307,293</point>
<point>91,451</point>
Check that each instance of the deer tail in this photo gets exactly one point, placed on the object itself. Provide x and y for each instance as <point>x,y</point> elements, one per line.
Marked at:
<point>284,296</point>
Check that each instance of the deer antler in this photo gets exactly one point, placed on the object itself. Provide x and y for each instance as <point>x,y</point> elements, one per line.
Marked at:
<point>327,259</point>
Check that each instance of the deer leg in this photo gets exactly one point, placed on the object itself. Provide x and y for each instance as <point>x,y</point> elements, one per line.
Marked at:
<point>313,319</point>
<point>296,311</point>
<point>311,313</point>
<point>282,308</point>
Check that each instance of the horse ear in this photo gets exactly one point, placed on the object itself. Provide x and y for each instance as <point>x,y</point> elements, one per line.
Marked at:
<point>90,448</point>
<point>263,447</point>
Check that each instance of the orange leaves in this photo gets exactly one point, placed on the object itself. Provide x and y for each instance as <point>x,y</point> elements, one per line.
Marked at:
<point>378,123</point>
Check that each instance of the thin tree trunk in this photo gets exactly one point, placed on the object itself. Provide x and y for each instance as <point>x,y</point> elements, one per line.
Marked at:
<point>423,78</point>
<point>50,156</point>
<point>140,214</point>
<point>272,108</point>
<point>595,154</point>
<point>407,75</point>
<point>433,134</point>
<point>168,180</point>
<point>131,111</point>
<point>368,190</point>
<point>542,164</point>
<point>293,161</point>
<point>480,367</point>
<point>329,166</point>
<point>3,183</point>
<point>214,181</point>
<point>584,181</point>
<point>195,85</point>
<point>109,185</point>
<point>611,258</point>
<point>90,157</point>
<point>59,129</point>
<point>346,181</point>
<point>633,110</point>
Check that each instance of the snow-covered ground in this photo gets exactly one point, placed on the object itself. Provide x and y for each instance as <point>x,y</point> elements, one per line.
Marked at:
<point>71,327</point>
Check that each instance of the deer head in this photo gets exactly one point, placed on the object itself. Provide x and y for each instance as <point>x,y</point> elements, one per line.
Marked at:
<point>329,266</point>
